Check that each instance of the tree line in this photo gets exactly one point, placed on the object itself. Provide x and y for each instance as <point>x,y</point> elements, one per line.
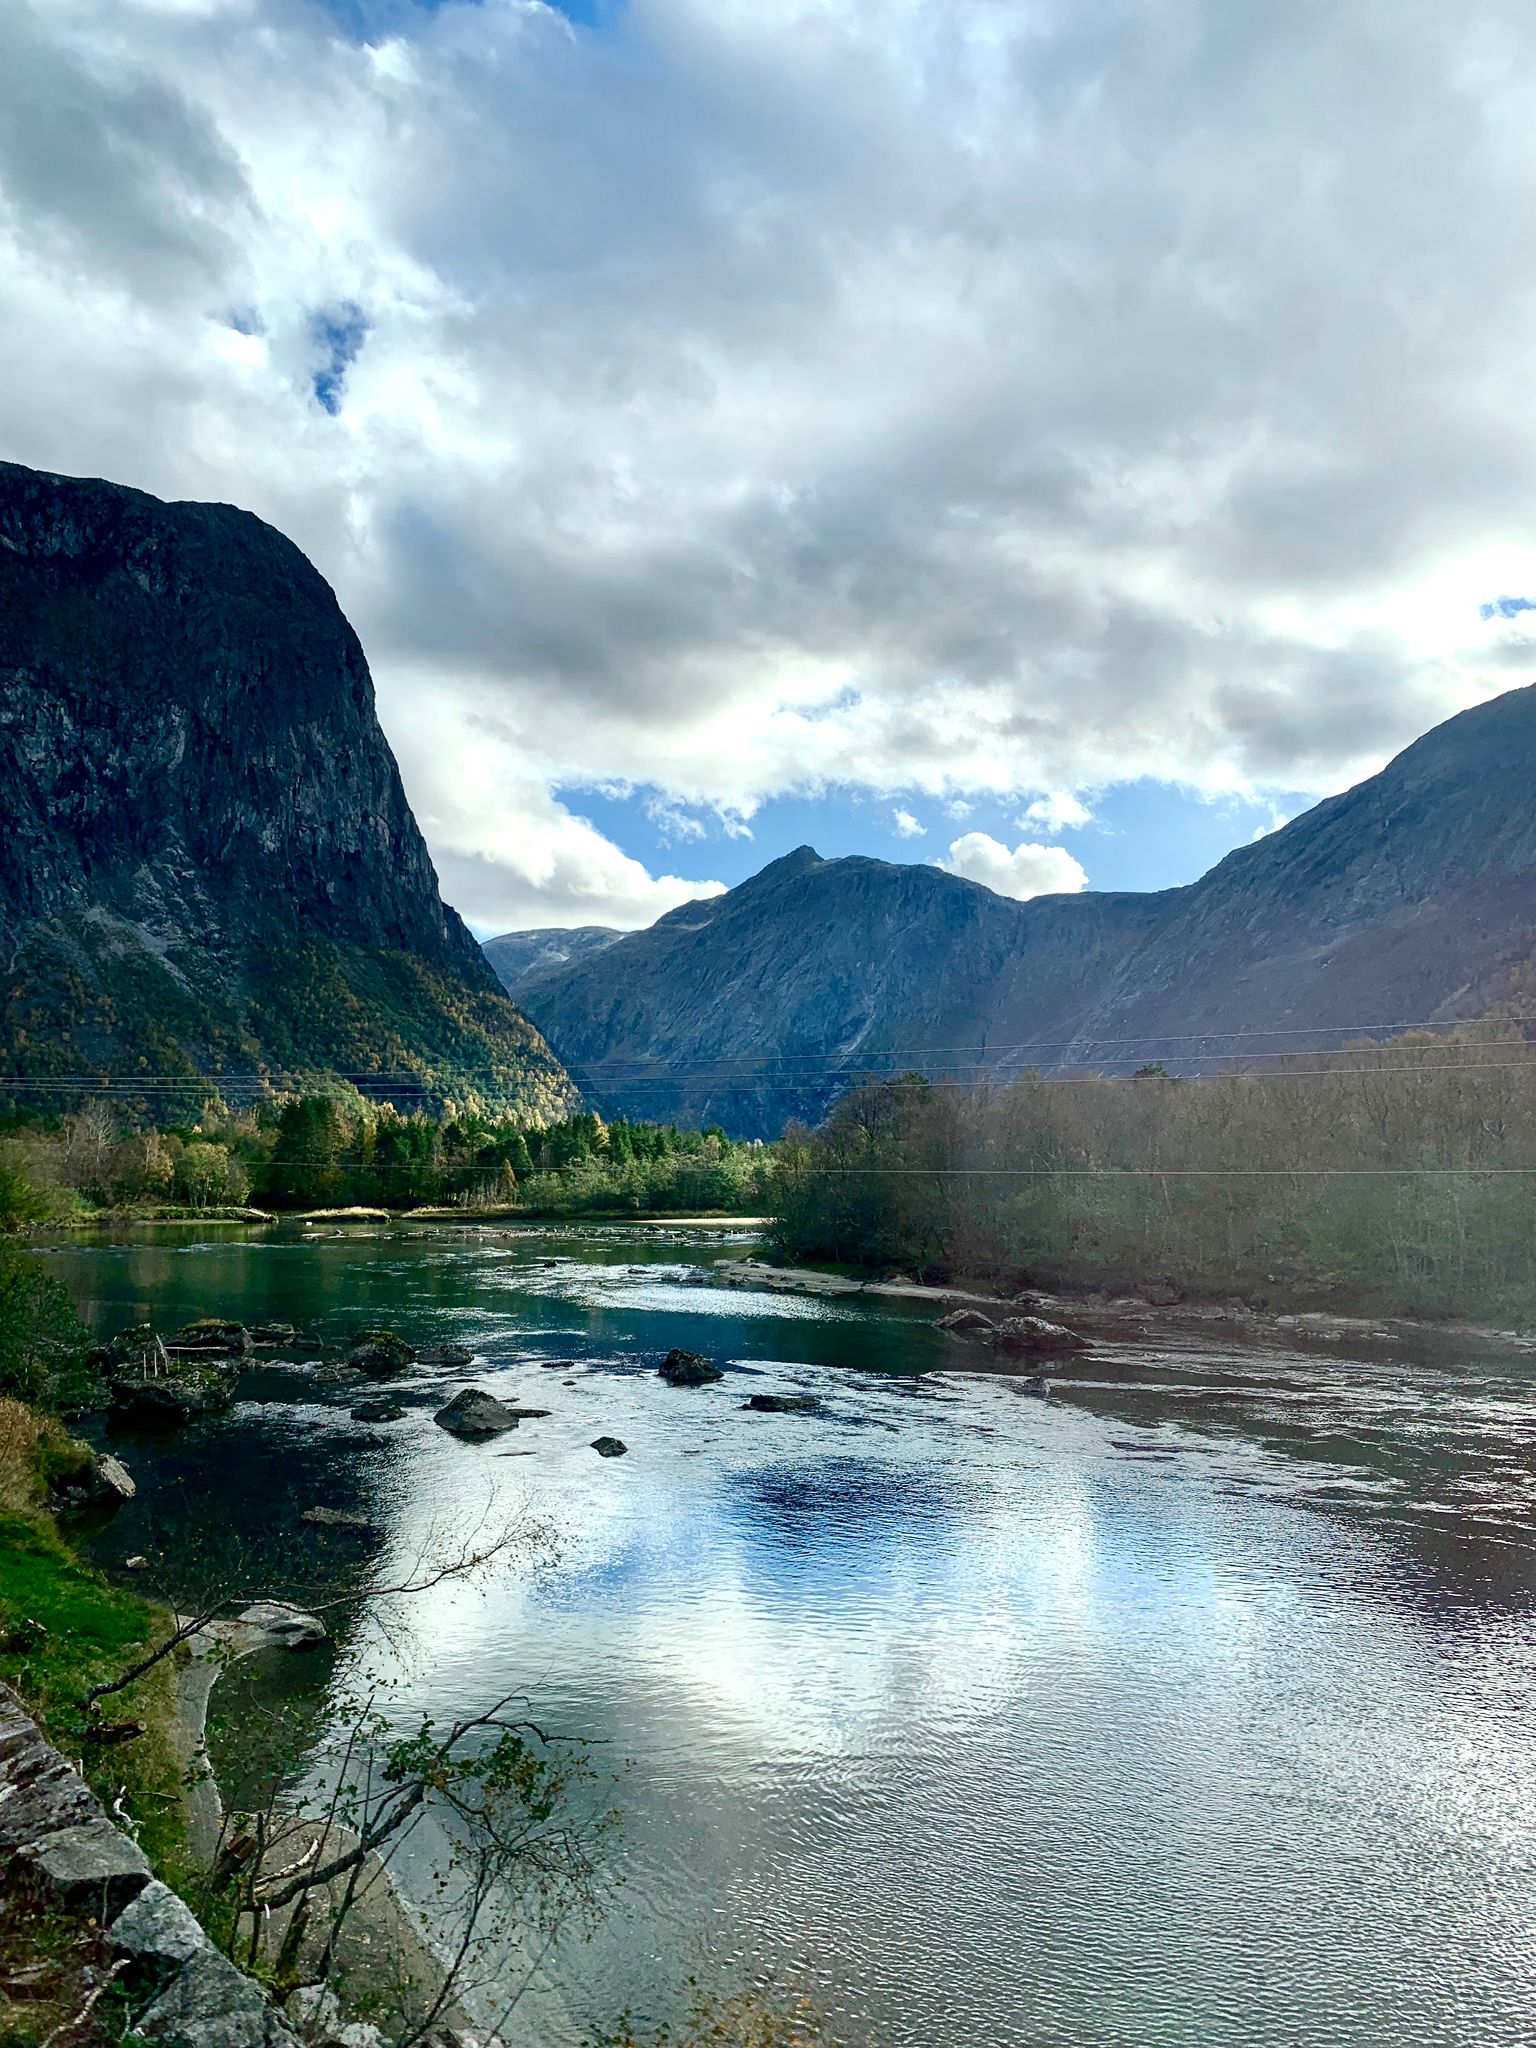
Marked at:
<point>1392,1175</point>
<point>339,1149</point>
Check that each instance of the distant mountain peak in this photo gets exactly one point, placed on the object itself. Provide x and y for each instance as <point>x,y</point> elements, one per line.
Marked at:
<point>1410,898</point>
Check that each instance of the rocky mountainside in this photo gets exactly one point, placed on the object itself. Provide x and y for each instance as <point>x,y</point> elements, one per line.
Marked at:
<point>209,864</point>
<point>517,957</point>
<point>1409,898</point>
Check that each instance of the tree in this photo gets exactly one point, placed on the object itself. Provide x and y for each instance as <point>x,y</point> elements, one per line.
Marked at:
<point>43,1343</point>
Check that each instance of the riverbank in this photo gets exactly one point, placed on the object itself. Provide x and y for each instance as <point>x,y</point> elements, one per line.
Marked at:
<point>1119,1318</point>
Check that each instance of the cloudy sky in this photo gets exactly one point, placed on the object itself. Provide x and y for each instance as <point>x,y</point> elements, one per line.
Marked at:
<point>1057,438</point>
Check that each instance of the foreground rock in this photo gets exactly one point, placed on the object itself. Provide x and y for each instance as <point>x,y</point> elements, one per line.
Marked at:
<point>610,1446</point>
<point>783,1404</point>
<point>474,1414</point>
<point>688,1369</point>
<point>1034,1337</point>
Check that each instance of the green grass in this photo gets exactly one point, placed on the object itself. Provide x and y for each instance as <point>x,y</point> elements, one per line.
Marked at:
<point>65,1628</point>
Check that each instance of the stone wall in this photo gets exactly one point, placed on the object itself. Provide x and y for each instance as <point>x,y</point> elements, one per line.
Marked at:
<point>59,1848</point>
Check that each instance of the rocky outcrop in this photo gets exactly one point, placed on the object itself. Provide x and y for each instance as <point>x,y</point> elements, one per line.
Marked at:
<point>1410,898</point>
<point>209,862</point>
<point>61,1853</point>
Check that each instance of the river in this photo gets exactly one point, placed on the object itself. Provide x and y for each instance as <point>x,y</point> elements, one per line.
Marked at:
<point>1195,1705</point>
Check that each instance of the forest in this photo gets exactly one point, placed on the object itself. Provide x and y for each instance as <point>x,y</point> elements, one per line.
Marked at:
<point>338,1149</point>
<point>1394,1175</point>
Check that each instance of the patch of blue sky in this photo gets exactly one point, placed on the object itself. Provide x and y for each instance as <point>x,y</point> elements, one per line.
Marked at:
<point>1506,607</point>
<point>364,20</point>
<point>338,336</point>
<point>1143,835</point>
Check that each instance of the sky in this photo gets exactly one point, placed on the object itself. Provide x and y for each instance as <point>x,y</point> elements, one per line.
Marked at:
<point>1057,439</point>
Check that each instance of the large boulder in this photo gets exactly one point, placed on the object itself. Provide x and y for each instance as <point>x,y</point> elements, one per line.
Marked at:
<point>1034,1337</point>
<point>158,1930</point>
<point>91,1867</point>
<point>476,1415</point>
<point>688,1369</point>
<point>208,2003</point>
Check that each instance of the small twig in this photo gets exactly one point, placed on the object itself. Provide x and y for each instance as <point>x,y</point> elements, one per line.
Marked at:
<point>69,2026</point>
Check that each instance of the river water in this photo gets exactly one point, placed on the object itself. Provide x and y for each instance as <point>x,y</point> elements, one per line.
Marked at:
<point>1195,1705</point>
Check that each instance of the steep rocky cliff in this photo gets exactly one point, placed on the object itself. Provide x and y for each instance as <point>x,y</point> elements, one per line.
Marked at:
<point>1410,898</point>
<point>209,864</point>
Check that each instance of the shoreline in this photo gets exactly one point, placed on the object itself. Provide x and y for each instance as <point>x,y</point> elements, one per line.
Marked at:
<point>384,1948</point>
<point>1122,1315</point>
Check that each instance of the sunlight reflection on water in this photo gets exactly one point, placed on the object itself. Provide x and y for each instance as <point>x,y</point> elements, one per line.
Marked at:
<point>1200,1712</point>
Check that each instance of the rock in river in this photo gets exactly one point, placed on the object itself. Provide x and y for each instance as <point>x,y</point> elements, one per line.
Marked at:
<point>783,1404</point>
<point>967,1322</point>
<point>688,1369</point>
<point>380,1353</point>
<point>448,1354</point>
<point>609,1446</point>
<point>476,1414</point>
<point>1034,1337</point>
<point>377,1411</point>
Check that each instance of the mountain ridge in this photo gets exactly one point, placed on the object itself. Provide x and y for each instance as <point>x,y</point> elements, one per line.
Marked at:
<point>1409,898</point>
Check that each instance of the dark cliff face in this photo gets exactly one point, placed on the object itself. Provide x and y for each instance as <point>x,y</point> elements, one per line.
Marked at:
<point>1411,898</point>
<point>209,860</point>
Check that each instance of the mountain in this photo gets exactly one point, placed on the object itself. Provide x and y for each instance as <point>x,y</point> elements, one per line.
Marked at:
<point>209,864</point>
<point>1408,899</point>
<point>517,957</point>
<point>732,1010</point>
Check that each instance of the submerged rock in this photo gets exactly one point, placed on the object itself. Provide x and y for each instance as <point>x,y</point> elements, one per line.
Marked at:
<point>610,1447</point>
<point>474,1414</point>
<point>377,1411</point>
<point>284,1626</point>
<point>447,1354</point>
<point>335,1518</point>
<point>783,1404</point>
<point>688,1369</point>
<point>967,1322</point>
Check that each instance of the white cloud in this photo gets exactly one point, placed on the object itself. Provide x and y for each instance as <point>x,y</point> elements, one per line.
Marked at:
<point>1059,811</point>
<point>905,826</point>
<point>1026,871</point>
<point>756,399</point>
